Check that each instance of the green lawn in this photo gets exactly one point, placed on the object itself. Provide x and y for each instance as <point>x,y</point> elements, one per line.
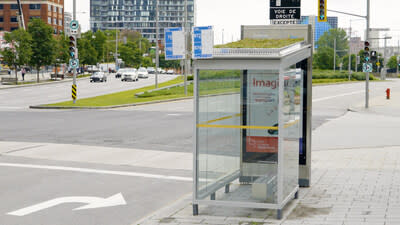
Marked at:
<point>121,98</point>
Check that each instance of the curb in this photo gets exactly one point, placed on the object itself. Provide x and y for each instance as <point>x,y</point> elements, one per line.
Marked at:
<point>44,83</point>
<point>107,107</point>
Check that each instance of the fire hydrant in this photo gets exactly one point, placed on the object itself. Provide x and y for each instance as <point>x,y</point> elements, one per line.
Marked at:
<point>388,93</point>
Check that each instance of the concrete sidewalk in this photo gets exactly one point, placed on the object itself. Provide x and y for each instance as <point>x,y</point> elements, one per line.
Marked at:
<point>355,177</point>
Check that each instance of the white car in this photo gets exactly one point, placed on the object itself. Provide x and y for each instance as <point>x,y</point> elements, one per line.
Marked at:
<point>98,76</point>
<point>120,71</point>
<point>143,73</point>
<point>161,71</point>
<point>170,72</point>
<point>130,75</point>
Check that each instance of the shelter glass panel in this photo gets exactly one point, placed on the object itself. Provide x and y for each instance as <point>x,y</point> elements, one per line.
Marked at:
<point>292,128</point>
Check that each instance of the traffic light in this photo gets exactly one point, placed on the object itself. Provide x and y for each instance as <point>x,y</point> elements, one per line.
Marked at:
<point>374,56</point>
<point>366,51</point>
<point>322,11</point>
<point>366,46</point>
<point>72,46</point>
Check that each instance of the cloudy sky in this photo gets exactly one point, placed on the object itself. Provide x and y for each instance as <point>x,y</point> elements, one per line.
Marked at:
<point>227,15</point>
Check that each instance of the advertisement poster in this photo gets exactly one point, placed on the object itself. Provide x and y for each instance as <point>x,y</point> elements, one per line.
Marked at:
<point>262,110</point>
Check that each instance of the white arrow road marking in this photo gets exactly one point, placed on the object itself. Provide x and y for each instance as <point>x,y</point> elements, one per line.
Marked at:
<point>92,203</point>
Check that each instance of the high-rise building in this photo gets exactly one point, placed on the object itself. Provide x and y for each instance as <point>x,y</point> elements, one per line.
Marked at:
<point>139,15</point>
<point>319,28</point>
<point>50,11</point>
<point>356,45</point>
<point>67,21</point>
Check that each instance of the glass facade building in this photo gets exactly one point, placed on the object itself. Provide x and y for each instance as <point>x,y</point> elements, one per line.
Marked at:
<point>319,28</point>
<point>139,15</point>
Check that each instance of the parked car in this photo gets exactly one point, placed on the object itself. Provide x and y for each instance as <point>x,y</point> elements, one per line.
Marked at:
<point>143,72</point>
<point>151,70</point>
<point>120,71</point>
<point>170,72</point>
<point>98,76</point>
<point>130,74</point>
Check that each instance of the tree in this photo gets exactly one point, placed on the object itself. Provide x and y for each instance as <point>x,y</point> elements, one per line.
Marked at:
<point>43,44</point>
<point>346,62</point>
<point>392,64</point>
<point>62,48</point>
<point>328,39</point>
<point>99,44</point>
<point>87,53</point>
<point>169,63</point>
<point>130,54</point>
<point>19,49</point>
<point>323,58</point>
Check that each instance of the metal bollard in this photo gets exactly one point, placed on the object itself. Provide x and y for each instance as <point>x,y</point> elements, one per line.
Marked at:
<point>388,93</point>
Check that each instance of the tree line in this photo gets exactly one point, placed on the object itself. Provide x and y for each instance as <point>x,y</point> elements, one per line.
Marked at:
<point>324,55</point>
<point>38,46</point>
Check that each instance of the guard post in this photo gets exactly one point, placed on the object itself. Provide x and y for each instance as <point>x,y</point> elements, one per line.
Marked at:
<point>248,125</point>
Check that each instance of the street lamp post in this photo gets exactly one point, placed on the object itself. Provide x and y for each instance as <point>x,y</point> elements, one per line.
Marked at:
<point>157,47</point>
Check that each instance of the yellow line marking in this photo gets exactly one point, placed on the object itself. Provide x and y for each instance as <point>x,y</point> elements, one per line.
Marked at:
<point>236,127</point>
<point>222,118</point>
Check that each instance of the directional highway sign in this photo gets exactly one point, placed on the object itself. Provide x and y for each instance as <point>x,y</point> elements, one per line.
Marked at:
<point>367,67</point>
<point>174,43</point>
<point>203,42</point>
<point>284,9</point>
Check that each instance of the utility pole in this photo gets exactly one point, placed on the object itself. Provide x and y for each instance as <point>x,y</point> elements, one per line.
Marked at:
<point>398,58</point>
<point>367,74</point>
<point>116,47</point>
<point>157,56</point>
<point>186,47</point>
<point>383,75</point>
<point>350,52</point>
<point>74,70</point>
<point>334,55</point>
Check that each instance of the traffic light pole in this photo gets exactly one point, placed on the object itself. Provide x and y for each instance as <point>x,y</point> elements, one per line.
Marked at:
<point>157,47</point>
<point>367,74</point>
<point>76,47</point>
<point>367,17</point>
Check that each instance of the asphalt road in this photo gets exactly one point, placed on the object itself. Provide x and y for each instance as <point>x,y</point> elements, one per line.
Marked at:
<point>52,154</point>
<point>22,97</point>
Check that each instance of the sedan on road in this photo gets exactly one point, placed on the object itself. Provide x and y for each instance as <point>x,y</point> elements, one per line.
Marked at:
<point>170,72</point>
<point>98,76</point>
<point>143,73</point>
<point>130,75</point>
<point>120,71</point>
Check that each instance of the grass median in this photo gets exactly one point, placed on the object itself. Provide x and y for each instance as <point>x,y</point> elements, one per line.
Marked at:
<point>122,98</point>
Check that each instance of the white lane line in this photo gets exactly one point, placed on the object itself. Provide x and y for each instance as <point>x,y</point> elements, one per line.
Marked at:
<point>87,170</point>
<point>335,96</point>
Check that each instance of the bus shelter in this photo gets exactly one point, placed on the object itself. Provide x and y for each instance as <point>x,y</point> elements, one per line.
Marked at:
<point>248,127</point>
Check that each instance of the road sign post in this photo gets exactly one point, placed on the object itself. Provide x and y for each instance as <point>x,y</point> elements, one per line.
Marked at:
<point>73,51</point>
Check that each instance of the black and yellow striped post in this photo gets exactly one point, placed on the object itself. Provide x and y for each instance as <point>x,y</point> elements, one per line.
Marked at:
<point>74,93</point>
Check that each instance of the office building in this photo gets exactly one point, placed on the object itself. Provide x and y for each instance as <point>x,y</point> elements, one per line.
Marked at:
<point>319,28</point>
<point>139,15</point>
<point>356,45</point>
<point>50,11</point>
<point>67,22</point>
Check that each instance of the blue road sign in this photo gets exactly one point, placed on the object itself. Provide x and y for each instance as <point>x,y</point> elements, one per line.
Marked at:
<point>367,67</point>
<point>203,42</point>
<point>174,43</point>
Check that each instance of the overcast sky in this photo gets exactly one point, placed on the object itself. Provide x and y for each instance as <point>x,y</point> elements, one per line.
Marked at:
<point>227,15</point>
